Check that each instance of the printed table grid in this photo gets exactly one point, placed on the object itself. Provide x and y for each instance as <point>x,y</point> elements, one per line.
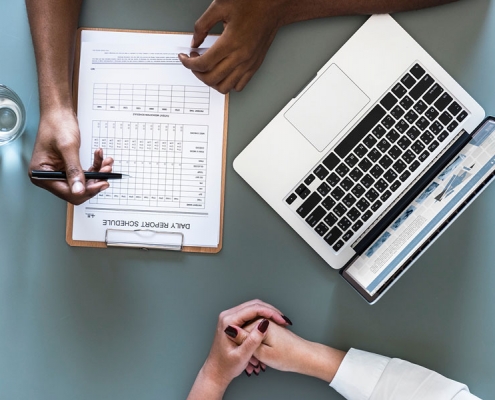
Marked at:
<point>173,99</point>
<point>166,162</point>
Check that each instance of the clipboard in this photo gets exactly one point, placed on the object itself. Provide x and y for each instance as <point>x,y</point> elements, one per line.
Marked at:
<point>139,238</point>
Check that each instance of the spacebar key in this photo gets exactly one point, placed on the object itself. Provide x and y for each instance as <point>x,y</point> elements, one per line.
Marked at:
<point>310,203</point>
<point>360,131</point>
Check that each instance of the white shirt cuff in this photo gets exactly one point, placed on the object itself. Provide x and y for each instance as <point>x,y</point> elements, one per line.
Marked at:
<point>358,374</point>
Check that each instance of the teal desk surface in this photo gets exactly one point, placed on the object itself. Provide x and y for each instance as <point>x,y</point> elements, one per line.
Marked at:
<point>127,324</point>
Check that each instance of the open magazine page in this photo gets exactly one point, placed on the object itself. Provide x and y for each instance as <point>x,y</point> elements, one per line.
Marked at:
<point>430,209</point>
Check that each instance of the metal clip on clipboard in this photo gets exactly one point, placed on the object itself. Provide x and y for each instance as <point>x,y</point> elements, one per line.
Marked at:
<point>144,239</point>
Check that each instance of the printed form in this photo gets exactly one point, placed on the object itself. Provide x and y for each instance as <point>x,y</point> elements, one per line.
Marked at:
<point>162,126</point>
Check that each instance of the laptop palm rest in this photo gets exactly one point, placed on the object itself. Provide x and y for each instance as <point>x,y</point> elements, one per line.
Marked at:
<point>327,107</point>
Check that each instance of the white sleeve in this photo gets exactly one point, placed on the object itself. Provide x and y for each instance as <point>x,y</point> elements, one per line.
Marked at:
<point>368,376</point>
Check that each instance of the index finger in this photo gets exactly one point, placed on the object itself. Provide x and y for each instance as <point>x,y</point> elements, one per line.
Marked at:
<point>209,59</point>
<point>253,311</point>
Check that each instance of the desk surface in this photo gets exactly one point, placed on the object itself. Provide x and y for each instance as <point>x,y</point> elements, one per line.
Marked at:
<point>127,324</point>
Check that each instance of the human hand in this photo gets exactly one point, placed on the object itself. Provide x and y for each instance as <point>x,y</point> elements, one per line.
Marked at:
<point>249,29</point>
<point>227,359</point>
<point>57,149</point>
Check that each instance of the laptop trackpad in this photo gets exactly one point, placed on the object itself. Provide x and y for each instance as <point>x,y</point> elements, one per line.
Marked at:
<point>327,107</point>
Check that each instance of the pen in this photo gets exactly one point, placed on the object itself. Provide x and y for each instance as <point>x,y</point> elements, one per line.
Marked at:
<point>60,175</point>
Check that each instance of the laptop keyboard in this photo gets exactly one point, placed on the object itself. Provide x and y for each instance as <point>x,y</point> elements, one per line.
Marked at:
<point>370,165</point>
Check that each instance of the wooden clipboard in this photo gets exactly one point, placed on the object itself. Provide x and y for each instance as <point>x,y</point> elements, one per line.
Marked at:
<point>70,207</point>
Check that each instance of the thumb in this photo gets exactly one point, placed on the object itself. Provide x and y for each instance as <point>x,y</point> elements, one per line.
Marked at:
<point>203,25</point>
<point>254,339</point>
<point>73,169</point>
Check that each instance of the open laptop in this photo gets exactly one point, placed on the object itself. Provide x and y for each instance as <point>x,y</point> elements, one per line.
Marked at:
<point>346,160</point>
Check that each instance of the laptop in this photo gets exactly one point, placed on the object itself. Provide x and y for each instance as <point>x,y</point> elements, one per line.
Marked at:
<point>358,162</point>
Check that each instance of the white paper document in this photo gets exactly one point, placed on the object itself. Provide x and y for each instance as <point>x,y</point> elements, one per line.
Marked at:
<point>162,126</point>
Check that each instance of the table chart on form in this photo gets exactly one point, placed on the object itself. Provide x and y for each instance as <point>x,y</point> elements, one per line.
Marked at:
<point>167,163</point>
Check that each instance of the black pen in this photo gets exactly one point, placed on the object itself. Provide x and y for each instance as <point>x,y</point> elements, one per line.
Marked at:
<point>61,176</point>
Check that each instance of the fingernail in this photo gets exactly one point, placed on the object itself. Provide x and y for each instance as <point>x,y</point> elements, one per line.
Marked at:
<point>287,320</point>
<point>263,369</point>
<point>249,375</point>
<point>231,331</point>
<point>256,373</point>
<point>77,187</point>
<point>263,326</point>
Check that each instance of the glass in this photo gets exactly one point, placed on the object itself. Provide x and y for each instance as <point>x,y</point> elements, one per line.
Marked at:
<point>12,115</point>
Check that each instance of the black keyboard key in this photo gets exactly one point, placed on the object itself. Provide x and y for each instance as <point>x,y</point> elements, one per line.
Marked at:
<point>404,176</point>
<point>385,196</point>
<point>357,225</point>
<point>389,101</point>
<point>399,90</point>
<point>455,108</point>
<point>388,122</point>
<point>321,229</point>
<point>369,141</point>
<point>408,81</point>
<point>347,236</point>
<point>331,161</point>
<point>333,179</point>
<point>394,186</point>
<point>432,94</point>
<point>291,199</point>
<point>365,164</point>
<point>411,116</point>
<point>351,160</point>
<point>462,116</point>
<point>303,191</point>
<point>436,127</point>
<point>395,152</point>
<point>376,206</point>
<point>339,210</point>
<point>397,112</point>
<point>421,87</point>
<point>367,181</point>
<point>337,193</point>
<point>363,205</point>
<point>315,216</point>
<point>356,174</point>
<point>360,131</point>
<point>342,170</point>
<point>311,202</point>
<point>385,161</point>
<point>383,145</point>
<point>393,135</point>
<point>432,113</point>
<point>390,176</point>
<point>443,136</point>
<point>321,172</point>
<point>376,171</point>
<point>443,101</point>
<point>349,200</point>
<point>344,224</point>
<point>358,190</point>
<point>328,203</point>
<point>330,219</point>
<point>404,142</point>
<point>422,123</point>
<point>374,155</point>
<point>452,126</point>
<point>402,126</point>
<point>399,166</point>
<point>408,156</point>
<point>417,71</point>
<point>413,133</point>
<point>366,216</point>
<point>333,235</point>
<point>414,166</point>
<point>323,189</point>
<point>418,147</point>
<point>310,178</point>
<point>433,146</point>
<point>337,246</point>
<point>371,195</point>
<point>406,103</point>
<point>381,185</point>
<point>420,107</point>
<point>427,137</point>
<point>360,150</point>
<point>424,155</point>
<point>347,184</point>
<point>379,131</point>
